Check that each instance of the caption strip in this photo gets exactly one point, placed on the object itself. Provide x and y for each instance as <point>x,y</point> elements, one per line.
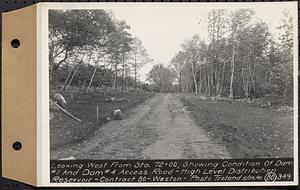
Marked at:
<point>231,170</point>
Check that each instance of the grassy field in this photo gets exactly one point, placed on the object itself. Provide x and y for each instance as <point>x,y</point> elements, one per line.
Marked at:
<point>64,130</point>
<point>246,130</point>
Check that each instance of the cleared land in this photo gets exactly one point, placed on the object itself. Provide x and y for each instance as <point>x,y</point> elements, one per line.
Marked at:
<point>65,131</point>
<point>179,126</point>
<point>160,128</point>
<point>247,131</point>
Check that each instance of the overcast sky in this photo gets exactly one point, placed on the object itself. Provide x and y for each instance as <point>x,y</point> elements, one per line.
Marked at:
<point>163,27</point>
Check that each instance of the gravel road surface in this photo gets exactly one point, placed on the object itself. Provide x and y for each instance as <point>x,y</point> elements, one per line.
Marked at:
<point>160,128</point>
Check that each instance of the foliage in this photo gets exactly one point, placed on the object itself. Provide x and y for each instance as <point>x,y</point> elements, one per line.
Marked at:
<point>162,77</point>
<point>90,48</point>
<point>240,59</point>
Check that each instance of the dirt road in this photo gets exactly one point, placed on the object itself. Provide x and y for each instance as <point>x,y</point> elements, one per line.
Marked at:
<point>160,128</point>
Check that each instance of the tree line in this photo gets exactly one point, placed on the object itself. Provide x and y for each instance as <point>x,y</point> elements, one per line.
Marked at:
<point>240,59</point>
<point>91,48</point>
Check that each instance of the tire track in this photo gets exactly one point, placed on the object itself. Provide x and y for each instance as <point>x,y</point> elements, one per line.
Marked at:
<point>160,128</point>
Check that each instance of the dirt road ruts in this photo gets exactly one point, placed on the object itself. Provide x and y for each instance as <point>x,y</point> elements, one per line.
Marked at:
<point>160,128</point>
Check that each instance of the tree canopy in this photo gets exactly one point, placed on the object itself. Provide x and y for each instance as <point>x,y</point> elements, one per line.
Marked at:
<point>240,59</point>
<point>92,48</point>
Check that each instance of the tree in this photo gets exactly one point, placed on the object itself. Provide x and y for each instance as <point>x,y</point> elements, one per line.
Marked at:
<point>77,29</point>
<point>283,70</point>
<point>162,77</point>
<point>216,30</point>
<point>194,56</point>
<point>258,65</point>
<point>118,49</point>
<point>239,19</point>
<point>140,57</point>
<point>124,39</point>
<point>176,67</point>
<point>105,45</point>
<point>253,42</point>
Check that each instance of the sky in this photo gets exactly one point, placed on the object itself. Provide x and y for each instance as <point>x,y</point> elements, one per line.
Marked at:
<point>163,27</point>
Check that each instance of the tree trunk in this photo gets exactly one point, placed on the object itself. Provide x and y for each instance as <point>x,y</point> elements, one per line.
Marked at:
<point>243,82</point>
<point>103,78</point>
<point>202,81</point>
<point>252,84</point>
<point>68,113</point>
<point>231,95</point>
<point>284,94</point>
<point>180,82</point>
<point>205,80</point>
<point>135,72</point>
<point>245,85</point>
<point>70,82</point>
<point>223,79</point>
<point>218,82</point>
<point>116,78</point>
<point>125,85</point>
<point>111,78</point>
<point>194,77</point>
<point>83,86</point>
<point>91,80</point>
<point>56,66</point>
<point>160,82</point>
<point>123,71</point>
<point>213,81</point>
<point>66,81</point>
<point>199,87</point>
<point>248,83</point>
<point>100,84</point>
<point>210,84</point>
<point>51,62</point>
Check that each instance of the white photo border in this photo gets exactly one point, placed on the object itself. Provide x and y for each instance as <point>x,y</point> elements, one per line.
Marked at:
<point>43,160</point>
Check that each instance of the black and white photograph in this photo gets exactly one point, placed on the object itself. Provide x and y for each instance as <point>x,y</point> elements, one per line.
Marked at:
<point>169,81</point>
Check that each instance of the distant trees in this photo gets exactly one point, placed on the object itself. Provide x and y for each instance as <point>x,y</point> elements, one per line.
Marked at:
<point>162,77</point>
<point>90,48</point>
<point>216,32</point>
<point>283,56</point>
<point>176,68</point>
<point>139,57</point>
<point>195,50</point>
<point>239,20</point>
<point>119,47</point>
<point>240,59</point>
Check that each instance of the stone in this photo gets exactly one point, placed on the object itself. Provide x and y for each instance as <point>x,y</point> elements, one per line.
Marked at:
<point>60,100</point>
<point>118,114</point>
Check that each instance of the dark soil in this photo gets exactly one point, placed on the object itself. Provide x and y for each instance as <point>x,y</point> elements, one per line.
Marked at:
<point>65,130</point>
<point>246,130</point>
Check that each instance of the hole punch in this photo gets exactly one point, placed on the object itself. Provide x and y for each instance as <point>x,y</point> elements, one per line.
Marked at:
<point>17,145</point>
<point>15,43</point>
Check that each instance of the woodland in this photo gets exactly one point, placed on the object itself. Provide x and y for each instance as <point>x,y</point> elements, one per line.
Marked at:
<point>91,50</point>
<point>241,59</point>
